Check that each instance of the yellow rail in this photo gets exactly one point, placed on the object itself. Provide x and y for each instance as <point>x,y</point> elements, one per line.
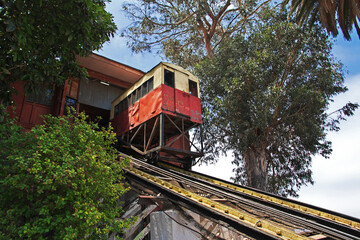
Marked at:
<point>288,204</point>
<point>243,217</point>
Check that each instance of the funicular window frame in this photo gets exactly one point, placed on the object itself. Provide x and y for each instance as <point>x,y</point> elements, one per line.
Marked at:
<point>193,88</point>
<point>169,78</point>
<point>43,95</point>
<point>134,96</point>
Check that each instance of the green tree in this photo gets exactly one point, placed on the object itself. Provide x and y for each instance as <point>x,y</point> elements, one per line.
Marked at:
<point>61,180</point>
<point>265,98</point>
<point>40,40</point>
<point>186,30</point>
<point>346,13</point>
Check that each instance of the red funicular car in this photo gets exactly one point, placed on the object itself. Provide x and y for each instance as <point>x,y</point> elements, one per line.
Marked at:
<point>155,115</point>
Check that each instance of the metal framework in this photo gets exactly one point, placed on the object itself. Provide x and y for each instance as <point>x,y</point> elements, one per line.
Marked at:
<point>166,137</point>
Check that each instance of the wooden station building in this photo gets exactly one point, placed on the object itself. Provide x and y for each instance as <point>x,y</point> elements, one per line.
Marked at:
<point>107,80</point>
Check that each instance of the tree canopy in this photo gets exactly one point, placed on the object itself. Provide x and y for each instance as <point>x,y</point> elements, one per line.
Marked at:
<point>265,97</point>
<point>40,40</point>
<point>61,180</point>
<point>187,30</point>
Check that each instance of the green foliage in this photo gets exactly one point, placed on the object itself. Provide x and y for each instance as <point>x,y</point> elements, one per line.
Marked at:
<point>345,13</point>
<point>184,31</point>
<point>265,98</point>
<point>40,40</point>
<point>61,180</point>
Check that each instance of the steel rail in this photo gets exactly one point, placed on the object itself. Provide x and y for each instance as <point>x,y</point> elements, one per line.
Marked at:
<point>265,206</point>
<point>304,208</point>
<point>231,214</point>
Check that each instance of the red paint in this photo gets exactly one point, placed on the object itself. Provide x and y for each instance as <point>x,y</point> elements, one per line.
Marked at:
<point>28,113</point>
<point>162,99</point>
<point>168,95</point>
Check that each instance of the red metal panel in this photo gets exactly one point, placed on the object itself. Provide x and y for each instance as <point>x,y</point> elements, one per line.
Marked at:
<point>144,109</point>
<point>150,105</point>
<point>161,99</point>
<point>38,111</point>
<point>195,109</point>
<point>121,123</point>
<point>31,114</point>
<point>134,114</point>
<point>182,143</point>
<point>168,98</point>
<point>182,101</point>
<point>27,109</point>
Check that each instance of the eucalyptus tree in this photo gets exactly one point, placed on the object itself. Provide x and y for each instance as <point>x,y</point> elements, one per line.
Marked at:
<point>40,40</point>
<point>186,30</point>
<point>266,96</point>
<point>346,13</point>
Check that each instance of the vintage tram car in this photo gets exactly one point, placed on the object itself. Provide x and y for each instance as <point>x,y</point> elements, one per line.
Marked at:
<point>154,117</point>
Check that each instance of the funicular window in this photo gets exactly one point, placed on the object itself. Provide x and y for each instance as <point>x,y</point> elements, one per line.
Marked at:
<point>117,109</point>
<point>137,94</point>
<point>147,86</point>
<point>169,78</point>
<point>42,95</point>
<point>150,84</point>
<point>124,104</point>
<point>193,88</point>
<point>133,97</point>
<point>130,99</point>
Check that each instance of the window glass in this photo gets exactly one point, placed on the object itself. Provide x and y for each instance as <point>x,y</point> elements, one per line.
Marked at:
<point>137,94</point>
<point>69,102</point>
<point>117,109</point>
<point>124,104</point>
<point>193,88</point>
<point>141,93</point>
<point>145,88</point>
<point>43,95</point>
<point>150,84</point>
<point>169,78</point>
<point>131,99</point>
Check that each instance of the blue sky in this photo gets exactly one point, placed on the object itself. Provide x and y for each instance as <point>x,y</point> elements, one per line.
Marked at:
<point>337,180</point>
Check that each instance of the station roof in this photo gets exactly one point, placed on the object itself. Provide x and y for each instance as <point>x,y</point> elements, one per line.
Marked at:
<point>116,72</point>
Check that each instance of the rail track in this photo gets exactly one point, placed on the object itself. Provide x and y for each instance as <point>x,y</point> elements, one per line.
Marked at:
<point>257,214</point>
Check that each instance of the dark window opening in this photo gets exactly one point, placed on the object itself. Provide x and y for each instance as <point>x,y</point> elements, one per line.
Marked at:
<point>169,78</point>
<point>124,104</point>
<point>144,88</point>
<point>117,109</point>
<point>193,88</point>
<point>42,95</point>
<point>121,106</point>
<point>150,84</point>
<point>137,94</point>
<point>69,103</point>
<point>147,86</point>
<point>129,100</point>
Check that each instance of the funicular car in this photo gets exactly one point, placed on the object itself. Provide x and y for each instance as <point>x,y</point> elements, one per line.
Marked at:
<point>154,116</point>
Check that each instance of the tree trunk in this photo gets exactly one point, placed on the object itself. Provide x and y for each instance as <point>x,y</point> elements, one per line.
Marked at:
<point>256,166</point>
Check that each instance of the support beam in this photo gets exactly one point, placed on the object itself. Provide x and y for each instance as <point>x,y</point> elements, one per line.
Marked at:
<point>161,143</point>
<point>152,134</point>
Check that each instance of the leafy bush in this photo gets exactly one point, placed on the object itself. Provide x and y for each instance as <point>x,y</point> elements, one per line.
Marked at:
<point>61,180</point>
